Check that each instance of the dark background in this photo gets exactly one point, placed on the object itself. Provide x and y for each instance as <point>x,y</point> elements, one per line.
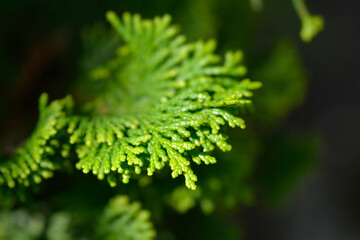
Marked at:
<point>326,205</point>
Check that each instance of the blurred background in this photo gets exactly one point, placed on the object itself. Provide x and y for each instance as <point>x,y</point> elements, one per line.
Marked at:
<point>308,111</point>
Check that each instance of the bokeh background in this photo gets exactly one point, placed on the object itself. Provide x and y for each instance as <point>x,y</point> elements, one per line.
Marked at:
<point>326,205</point>
<point>41,50</point>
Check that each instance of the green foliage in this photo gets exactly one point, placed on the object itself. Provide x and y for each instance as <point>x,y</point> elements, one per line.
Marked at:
<point>225,186</point>
<point>172,99</point>
<point>124,220</point>
<point>120,220</point>
<point>229,183</point>
<point>36,159</point>
<point>59,227</point>
<point>148,104</point>
<point>19,225</point>
<point>163,105</point>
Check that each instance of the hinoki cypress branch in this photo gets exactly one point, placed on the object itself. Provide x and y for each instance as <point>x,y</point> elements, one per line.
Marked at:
<point>164,104</point>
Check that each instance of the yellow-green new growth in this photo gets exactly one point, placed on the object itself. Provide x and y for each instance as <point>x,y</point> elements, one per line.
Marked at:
<point>164,103</point>
<point>35,160</point>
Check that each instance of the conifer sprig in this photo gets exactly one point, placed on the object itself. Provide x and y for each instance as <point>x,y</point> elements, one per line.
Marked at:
<point>35,160</point>
<point>163,104</point>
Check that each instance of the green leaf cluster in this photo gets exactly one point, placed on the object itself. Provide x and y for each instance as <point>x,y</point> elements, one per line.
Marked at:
<point>120,219</point>
<point>164,104</point>
<point>149,105</point>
